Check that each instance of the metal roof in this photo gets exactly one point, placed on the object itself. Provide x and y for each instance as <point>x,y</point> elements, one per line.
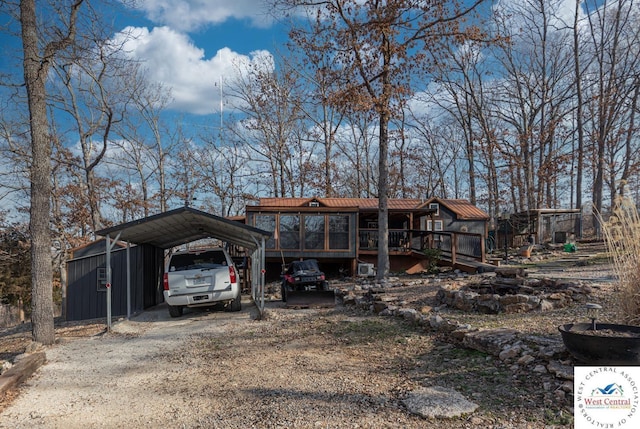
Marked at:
<point>184,225</point>
<point>462,208</point>
<point>360,203</point>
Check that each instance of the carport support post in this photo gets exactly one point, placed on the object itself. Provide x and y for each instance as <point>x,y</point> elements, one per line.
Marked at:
<point>108,282</point>
<point>262,274</point>
<point>109,247</point>
<point>128,280</point>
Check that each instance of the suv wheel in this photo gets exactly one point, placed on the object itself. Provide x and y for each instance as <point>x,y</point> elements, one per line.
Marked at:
<point>236,304</point>
<point>174,311</point>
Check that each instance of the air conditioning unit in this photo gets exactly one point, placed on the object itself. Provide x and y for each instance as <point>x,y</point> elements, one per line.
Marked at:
<point>366,270</point>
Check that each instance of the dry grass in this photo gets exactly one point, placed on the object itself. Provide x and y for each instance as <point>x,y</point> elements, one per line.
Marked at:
<point>622,235</point>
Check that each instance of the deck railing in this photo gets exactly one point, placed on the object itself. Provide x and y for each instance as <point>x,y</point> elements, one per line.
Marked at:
<point>452,244</point>
<point>399,239</point>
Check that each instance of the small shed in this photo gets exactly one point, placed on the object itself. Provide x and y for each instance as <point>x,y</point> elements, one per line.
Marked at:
<point>87,279</point>
<point>545,226</point>
<point>134,280</point>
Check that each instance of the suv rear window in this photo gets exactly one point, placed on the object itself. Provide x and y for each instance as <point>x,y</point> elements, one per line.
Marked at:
<point>193,261</point>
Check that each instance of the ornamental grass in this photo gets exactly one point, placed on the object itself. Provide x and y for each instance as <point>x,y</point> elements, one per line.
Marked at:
<point>622,236</point>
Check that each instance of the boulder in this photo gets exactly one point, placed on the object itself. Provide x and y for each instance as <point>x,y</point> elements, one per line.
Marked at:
<point>438,402</point>
<point>491,341</point>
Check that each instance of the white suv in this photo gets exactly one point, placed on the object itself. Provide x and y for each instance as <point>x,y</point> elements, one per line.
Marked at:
<point>200,278</point>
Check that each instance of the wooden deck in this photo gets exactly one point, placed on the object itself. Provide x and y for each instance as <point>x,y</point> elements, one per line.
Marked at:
<point>468,265</point>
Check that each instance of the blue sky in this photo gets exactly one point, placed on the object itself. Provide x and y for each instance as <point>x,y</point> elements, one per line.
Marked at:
<point>189,45</point>
<point>186,44</point>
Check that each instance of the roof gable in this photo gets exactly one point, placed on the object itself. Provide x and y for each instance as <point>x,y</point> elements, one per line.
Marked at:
<point>462,208</point>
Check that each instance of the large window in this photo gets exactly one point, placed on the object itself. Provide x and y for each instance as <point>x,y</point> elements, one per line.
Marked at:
<point>267,223</point>
<point>338,232</point>
<point>308,232</point>
<point>314,232</point>
<point>290,231</point>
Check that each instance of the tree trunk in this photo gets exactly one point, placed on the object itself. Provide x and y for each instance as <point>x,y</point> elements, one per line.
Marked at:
<point>35,74</point>
<point>383,199</point>
<point>383,173</point>
<point>36,69</point>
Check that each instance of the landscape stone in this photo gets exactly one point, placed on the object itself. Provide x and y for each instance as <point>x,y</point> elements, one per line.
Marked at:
<point>409,314</point>
<point>564,372</point>
<point>526,360</point>
<point>438,402</point>
<point>509,353</point>
<point>545,305</point>
<point>491,341</point>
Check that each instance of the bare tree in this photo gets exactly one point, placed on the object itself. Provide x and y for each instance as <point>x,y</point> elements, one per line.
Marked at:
<point>378,47</point>
<point>612,98</point>
<point>271,101</point>
<point>440,151</point>
<point>356,155</point>
<point>325,118</point>
<point>37,62</point>
<point>147,142</point>
<point>94,92</point>
<point>534,97</point>
<point>225,176</point>
<point>579,102</point>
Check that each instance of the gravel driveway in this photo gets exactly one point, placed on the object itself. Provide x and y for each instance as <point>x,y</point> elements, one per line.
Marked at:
<point>321,368</point>
<point>216,369</point>
<point>123,378</point>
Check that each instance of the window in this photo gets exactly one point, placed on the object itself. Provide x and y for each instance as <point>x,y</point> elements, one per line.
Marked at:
<point>290,231</point>
<point>435,206</point>
<point>267,223</point>
<point>439,225</point>
<point>338,232</point>
<point>314,232</point>
<point>189,261</point>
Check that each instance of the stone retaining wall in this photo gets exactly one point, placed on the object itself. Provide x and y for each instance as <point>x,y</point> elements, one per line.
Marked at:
<point>559,294</point>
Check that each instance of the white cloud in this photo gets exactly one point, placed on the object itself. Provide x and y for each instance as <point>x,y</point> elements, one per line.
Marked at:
<point>188,15</point>
<point>172,59</point>
<point>560,13</point>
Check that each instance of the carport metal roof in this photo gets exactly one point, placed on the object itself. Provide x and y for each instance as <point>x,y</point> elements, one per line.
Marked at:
<point>184,225</point>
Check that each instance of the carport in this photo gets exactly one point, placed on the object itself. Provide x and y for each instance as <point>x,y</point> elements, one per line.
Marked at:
<point>184,225</point>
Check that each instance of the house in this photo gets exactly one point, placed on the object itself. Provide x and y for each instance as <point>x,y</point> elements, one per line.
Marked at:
<point>343,232</point>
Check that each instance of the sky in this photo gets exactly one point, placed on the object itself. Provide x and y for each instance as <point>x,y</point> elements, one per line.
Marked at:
<point>191,46</point>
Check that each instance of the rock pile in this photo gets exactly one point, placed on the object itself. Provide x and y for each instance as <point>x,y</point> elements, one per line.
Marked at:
<point>511,292</point>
